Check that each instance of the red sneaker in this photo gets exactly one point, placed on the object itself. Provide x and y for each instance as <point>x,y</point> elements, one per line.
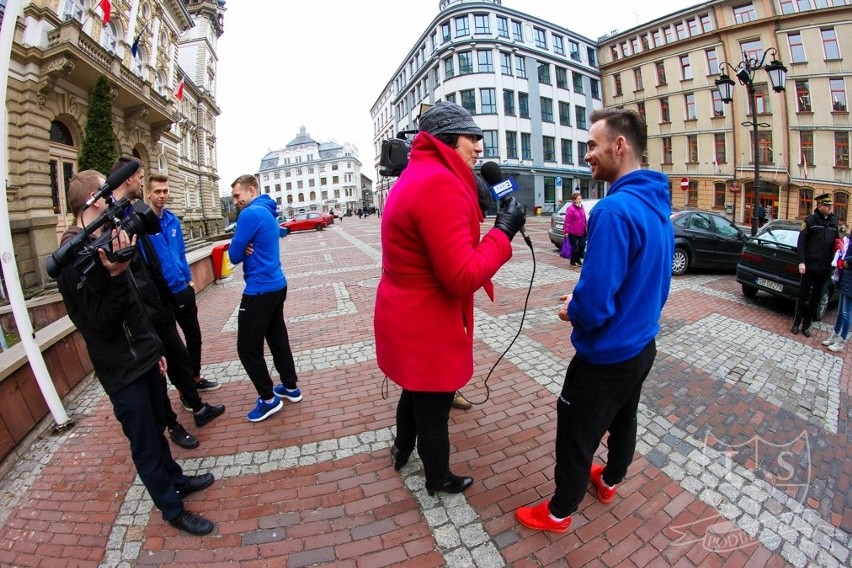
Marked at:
<point>538,518</point>
<point>605,493</point>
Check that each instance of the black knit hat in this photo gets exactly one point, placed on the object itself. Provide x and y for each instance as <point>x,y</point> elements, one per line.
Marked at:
<point>449,118</point>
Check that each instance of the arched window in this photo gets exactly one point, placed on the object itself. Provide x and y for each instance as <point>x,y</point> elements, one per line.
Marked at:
<point>806,202</point>
<point>301,198</point>
<point>140,61</point>
<point>159,82</point>
<point>289,199</point>
<point>313,196</point>
<point>63,164</point>
<point>109,37</point>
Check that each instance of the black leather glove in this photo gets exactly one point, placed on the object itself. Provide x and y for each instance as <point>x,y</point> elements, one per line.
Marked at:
<point>511,217</point>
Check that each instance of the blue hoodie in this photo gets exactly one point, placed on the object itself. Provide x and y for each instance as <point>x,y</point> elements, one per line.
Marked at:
<point>258,225</point>
<point>627,271</point>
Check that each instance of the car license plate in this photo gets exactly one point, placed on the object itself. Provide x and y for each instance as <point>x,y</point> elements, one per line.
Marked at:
<point>769,284</point>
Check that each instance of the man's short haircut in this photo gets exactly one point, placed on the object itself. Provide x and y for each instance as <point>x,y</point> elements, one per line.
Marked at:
<point>627,123</point>
<point>82,185</point>
<point>125,160</point>
<point>246,180</point>
<point>159,178</point>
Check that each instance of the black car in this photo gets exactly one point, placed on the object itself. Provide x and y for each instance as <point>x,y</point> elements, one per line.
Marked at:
<point>704,239</point>
<point>769,262</point>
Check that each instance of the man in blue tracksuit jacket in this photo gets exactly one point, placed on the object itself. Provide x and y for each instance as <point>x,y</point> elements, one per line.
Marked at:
<point>615,310</point>
<point>176,275</point>
<point>261,315</point>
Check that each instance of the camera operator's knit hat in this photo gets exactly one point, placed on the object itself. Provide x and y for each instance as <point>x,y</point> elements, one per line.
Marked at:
<point>449,118</point>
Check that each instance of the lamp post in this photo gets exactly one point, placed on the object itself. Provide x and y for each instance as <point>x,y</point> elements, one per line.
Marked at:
<point>744,71</point>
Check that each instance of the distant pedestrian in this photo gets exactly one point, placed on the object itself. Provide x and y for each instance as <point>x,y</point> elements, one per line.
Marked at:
<point>575,229</point>
<point>261,314</point>
<point>761,215</point>
<point>615,311</point>
<point>815,250</point>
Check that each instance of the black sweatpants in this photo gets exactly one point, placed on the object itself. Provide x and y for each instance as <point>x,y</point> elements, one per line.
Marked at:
<point>261,317</point>
<point>596,399</point>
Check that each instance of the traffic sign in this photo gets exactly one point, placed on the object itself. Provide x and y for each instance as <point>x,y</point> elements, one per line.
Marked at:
<point>684,183</point>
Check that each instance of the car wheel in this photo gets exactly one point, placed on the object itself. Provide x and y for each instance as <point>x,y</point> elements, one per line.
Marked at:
<point>749,291</point>
<point>680,261</point>
<point>557,245</point>
<point>319,227</point>
<point>823,303</point>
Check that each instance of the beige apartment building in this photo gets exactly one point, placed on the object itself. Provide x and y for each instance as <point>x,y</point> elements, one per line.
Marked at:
<point>60,48</point>
<point>666,69</point>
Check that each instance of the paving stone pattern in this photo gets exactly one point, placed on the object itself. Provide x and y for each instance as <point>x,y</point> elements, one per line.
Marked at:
<point>742,459</point>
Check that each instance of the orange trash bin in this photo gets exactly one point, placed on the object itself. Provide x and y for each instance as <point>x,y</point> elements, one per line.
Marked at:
<point>222,266</point>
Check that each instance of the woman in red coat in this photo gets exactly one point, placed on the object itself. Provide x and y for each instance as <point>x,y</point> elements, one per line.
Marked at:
<point>432,263</point>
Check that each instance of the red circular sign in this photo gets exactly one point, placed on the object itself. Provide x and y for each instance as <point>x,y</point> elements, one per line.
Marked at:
<point>735,187</point>
<point>684,183</point>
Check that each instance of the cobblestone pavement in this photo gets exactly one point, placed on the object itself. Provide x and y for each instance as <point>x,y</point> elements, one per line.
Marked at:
<point>743,454</point>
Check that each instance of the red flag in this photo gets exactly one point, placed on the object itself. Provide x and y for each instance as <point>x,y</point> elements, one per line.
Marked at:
<point>179,89</point>
<point>106,7</point>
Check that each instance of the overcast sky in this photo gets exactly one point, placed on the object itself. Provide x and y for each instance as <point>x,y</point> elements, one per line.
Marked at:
<point>322,64</point>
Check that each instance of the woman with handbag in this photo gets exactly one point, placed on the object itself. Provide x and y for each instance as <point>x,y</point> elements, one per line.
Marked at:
<point>575,229</point>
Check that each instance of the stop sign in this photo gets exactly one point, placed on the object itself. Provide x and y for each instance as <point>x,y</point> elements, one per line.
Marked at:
<point>684,183</point>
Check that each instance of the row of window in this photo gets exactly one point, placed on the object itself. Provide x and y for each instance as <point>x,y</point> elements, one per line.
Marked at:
<point>837,98</point>
<point>491,149</point>
<point>510,29</point>
<point>309,170</point>
<point>742,14</point>
<point>463,61</point>
<point>655,38</point>
<point>830,46</point>
<point>312,196</point>
<point>765,153</point>
<point>488,105</point>
<point>312,182</point>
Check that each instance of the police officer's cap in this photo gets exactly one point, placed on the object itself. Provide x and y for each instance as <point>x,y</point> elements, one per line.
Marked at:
<point>824,199</point>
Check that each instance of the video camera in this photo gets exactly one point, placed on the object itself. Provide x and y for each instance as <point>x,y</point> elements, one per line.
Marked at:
<point>395,152</point>
<point>134,219</point>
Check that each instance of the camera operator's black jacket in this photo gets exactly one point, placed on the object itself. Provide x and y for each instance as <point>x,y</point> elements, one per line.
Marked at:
<point>113,319</point>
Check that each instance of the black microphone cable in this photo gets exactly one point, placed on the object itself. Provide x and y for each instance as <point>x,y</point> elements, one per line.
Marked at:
<point>520,327</point>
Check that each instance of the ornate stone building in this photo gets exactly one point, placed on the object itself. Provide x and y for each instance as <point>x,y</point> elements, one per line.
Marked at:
<point>60,49</point>
<point>666,69</point>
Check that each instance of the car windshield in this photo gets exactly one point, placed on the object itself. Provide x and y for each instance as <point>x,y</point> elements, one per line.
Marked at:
<point>780,236</point>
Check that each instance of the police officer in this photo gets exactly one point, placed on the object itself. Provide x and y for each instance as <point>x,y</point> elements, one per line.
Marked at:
<point>816,249</point>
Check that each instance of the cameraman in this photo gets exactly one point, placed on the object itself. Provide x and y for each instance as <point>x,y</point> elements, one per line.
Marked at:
<point>163,318</point>
<point>107,308</point>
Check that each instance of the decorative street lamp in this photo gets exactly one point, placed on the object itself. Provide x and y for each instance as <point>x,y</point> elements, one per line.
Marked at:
<point>744,71</point>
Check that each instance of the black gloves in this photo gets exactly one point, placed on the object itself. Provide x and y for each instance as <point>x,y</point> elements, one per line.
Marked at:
<point>511,216</point>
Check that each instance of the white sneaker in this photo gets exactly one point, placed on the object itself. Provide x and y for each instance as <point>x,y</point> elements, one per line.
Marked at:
<point>837,346</point>
<point>831,339</point>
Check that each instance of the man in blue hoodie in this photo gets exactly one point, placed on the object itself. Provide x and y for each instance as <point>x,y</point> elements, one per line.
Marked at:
<point>615,310</point>
<point>261,315</point>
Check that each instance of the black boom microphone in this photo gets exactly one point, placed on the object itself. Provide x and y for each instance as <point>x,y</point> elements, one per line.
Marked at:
<point>500,188</point>
<point>120,176</point>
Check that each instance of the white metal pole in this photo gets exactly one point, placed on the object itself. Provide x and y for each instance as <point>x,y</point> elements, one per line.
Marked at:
<point>7,251</point>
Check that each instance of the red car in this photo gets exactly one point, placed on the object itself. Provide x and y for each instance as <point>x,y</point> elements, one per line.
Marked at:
<point>329,217</point>
<point>306,222</point>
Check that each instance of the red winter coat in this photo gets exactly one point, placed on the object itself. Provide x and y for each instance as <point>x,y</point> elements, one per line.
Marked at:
<point>432,263</point>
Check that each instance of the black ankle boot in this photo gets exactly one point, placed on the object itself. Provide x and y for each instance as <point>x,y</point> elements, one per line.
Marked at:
<point>400,458</point>
<point>453,484</point>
